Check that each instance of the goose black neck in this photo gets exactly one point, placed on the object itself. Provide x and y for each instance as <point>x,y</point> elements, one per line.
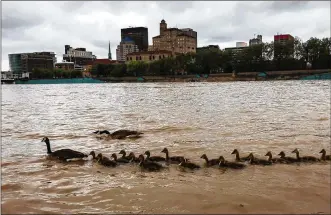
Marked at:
<point>237,156</point>
<point>49,151</point>
<point>206,159</point>
<point>323,156</point>
<point>167,155</point>
<point>270,158</point>
<point>298,156</point>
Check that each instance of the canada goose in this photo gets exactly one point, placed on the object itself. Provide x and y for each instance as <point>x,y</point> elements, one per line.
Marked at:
<point>153,158</point>
<point>190,165</point>
<point>123,152</point>
<point>288,159</point>
<point>257,161</point>
<point>238,158</point>
<point>133,158</point>
<point>101,132</point>
<point>93,155</point>
<point>275,160</point>
<point>62,154</point>
<point>173,159</point>
<point>105,161</point>
<point>149,165</point>
<point>119,134</point>
<point>305,158</point>
<point>119,160</point>
<point>228,164</point>
<point>211,162</point>
<point>324,156</point>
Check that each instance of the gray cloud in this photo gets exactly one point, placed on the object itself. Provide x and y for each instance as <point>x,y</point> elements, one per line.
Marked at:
<point>41,26</point>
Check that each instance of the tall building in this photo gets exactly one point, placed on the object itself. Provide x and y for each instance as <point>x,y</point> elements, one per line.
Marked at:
<point>241,44</point>
<point>174,40</point>
<point>255,41</point>
<point>190,32</point>
<point>126,46</point>
<point>25,62</point>
<point>283,44</point>
<point>138,34</point>
<point>79,55</point>
<point>148,56</point>
<point>109,52</point>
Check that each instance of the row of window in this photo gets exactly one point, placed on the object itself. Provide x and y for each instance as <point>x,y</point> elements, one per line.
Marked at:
<point>151,57</point>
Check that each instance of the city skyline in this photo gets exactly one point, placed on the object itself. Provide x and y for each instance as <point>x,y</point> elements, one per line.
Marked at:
<point>93,24</point>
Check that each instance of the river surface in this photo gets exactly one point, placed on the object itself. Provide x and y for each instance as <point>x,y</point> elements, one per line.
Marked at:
<point>189,119</point>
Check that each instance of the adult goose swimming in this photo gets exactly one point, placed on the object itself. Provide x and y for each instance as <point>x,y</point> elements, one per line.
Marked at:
<point>62,154</point>
<point>120,134</point>
<point>324,156</point>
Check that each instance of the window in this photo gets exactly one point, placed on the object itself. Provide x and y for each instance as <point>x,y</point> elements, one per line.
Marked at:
<point>150,57</point>
<point>153,57</point>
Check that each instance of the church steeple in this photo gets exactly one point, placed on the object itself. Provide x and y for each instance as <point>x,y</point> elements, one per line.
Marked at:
<point>109,52</point>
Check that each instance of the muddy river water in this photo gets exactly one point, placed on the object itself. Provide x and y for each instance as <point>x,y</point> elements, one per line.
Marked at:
<point>189,119</point>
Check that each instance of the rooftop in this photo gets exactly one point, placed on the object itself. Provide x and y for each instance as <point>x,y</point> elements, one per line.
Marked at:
<point>151,52</point>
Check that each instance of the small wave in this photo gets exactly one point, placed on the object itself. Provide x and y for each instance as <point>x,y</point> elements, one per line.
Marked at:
<point>322,119</point>
<point>171,129</point>
<point>10,163</point>
<point>298,135</point>
<point>58,137</point>
<point>10,187</point>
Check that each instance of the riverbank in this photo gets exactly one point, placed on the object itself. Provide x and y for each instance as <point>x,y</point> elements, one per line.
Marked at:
<point>225,77</point>
<point>324,74</point>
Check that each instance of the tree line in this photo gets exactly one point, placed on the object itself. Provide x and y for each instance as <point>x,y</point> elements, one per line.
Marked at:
<point>257,58</point>
<point>38,73</point>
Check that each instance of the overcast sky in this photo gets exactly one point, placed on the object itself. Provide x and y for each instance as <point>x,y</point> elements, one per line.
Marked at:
<point>48,26</point>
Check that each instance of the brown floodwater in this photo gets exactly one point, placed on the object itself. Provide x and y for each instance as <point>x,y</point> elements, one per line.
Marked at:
<point>189,119</point>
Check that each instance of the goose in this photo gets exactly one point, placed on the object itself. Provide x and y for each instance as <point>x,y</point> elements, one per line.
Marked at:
<point>211,162</point>
<point>149,165</point>
<point>184,163</point>
<point>324,156</point>
<point>305,158</point>
<point>119,134</point>
<point>119,160</point>
<point>275,160</point>
<point>133,158</point>
<point>238,158</point>
<point>93,155</point>
<point>173,159</point>
<point>228,164</point>
<point>123,152</point>
<point>105,161</point>
<point>63,154</point>
<point>288,159</point>
<point>257,161</point>
<point>153,158</point>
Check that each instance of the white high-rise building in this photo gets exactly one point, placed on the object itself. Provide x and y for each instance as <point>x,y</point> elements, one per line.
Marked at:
<point>241,44</point>
<point>125,47</point>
